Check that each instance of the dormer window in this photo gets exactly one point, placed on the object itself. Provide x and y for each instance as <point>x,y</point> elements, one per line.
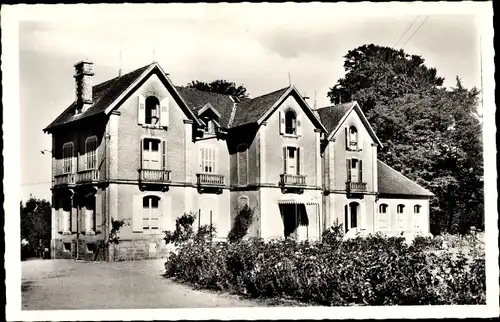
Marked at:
<point>152,110</point>
<point>290,122</point>
<point>210,126</point>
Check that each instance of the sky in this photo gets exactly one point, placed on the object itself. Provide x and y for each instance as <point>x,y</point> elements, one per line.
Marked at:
<point>261,46</point>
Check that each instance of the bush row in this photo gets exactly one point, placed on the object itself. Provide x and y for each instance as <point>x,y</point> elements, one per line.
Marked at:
<point>374,270</point>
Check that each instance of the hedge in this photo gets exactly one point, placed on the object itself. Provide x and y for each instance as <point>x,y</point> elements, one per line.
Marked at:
<point>374,270</point>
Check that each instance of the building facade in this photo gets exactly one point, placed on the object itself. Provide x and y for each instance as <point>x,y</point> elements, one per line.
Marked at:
<point>138,149</point>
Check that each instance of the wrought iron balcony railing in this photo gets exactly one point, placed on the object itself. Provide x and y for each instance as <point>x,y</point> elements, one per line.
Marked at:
<point>210,179</point>
<point>355,186</point>
<point>154,176</point>
<point>293,180</point>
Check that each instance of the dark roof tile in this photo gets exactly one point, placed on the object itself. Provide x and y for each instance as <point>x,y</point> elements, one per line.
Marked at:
<point>391,181</point>
<point>330,116</point>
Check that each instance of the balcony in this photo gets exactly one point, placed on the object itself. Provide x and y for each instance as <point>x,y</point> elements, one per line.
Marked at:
<point>64,180</point>
<point>87,176</point>
<point>292,182</point>
<point>355,186</point>
<point>208,181</point>
<point>154,177</point>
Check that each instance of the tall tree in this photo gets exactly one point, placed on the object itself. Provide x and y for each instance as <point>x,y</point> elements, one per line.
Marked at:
<point>430,133</point>
<point>35,224</point>
<point>221,86</point>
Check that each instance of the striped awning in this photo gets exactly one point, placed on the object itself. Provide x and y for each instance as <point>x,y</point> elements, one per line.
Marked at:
<point>298,201</point>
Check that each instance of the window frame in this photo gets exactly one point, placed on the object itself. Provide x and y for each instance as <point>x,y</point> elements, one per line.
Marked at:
<point>211,162</point>
<point>297,157</point>
<point>159,152</point>
<point>157,108</point>
<point>88,156</point>
<point>68,159</point>
<point>294,123</point>
<point>383,215</point>
<point>149,216</point>
<point>400,211</point>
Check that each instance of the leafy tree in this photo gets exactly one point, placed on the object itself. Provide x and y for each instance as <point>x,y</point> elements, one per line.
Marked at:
<point>221,86</point>
<point>431,134</point>
<point>35,225</point>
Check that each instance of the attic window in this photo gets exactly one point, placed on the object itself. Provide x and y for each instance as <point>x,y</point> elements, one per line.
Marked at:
<point>210,125</point>
<point>152,110</point>
<point>290,122</point>
<point>353,137</point>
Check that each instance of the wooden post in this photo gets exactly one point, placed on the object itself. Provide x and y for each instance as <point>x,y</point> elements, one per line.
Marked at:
<point>210,226</point>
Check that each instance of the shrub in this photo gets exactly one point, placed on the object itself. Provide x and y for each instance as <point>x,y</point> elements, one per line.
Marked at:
<point>334,234</point>
<point>205,233</point>
<point>183,229</point>
<point>375,270</point>
<point>241,224</point>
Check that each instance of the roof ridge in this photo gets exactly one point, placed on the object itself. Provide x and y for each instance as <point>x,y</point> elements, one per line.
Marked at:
<point>391,168</point>
<point>273,92</point>
<point>200,90</point>
<point>118,77</point>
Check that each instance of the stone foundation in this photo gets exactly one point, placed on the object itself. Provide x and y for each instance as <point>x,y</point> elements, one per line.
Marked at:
<point>138,249</point>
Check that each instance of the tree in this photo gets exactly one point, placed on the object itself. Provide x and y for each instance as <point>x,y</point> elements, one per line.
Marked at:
<point>35,225</point>
<point>222,87</point>
<point>430,133</point>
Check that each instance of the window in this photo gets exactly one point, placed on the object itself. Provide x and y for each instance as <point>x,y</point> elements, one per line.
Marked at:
<point>207,160</point>
<point>354,170</point>
<point>353,138</point>
<point>90,214</point>
<point>291,160</point>
<point>401,218</point>
<point>416,216</point>
<point>152,110</point>
<point>68,153</point>
<point>150,212</point>
<point>151,154</point>
<point>210,125</point>
<point>384,216</point>
<point>91,248</point>
<point>416,209</point>
<point>290,122</point>
<point>67,247</point>
<point>91,153</point>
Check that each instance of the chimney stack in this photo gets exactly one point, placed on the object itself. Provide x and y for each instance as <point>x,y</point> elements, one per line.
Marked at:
<point>83,78</point>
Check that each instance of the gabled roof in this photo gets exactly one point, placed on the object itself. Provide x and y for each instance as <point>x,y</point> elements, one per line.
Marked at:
<point>196,100</point>
<point>107,95</point>
<point>393,182</point>
<point>103,95</point>
<point>258,109</point>
<point>333,117</point>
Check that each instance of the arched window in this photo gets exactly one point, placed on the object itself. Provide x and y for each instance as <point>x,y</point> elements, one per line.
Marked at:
<point>384,216</point>
<point>290,122</point>
<point>353,137</point>
<point>416,209</point>
<point>151,212</point>
<point>401,209</point>
<point>91,153</point>
<point>401,218</point>
<point>152,110</point>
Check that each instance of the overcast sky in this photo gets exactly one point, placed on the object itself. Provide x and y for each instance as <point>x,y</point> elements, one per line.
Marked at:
<point>256,45</point>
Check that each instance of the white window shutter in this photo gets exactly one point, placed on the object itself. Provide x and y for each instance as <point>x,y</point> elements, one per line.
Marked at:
<point>284,160</point>
<point>299,125</point>
<point>98,213</point>
<point>83,216</point>
<point>73,214</point>
<point>166,205</point>
<point>141,109</point>
<point>360,140</point>
<point>282,122</point>
<point>301,161</point>
<point>347,139</point>
<point>137,214</point>
<point>164,112</point>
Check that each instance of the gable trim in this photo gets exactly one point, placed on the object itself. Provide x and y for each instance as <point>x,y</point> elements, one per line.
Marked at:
<point>355,106</point>
<point>206,107</point>
<point>300,100</point>
<point>140,79</point>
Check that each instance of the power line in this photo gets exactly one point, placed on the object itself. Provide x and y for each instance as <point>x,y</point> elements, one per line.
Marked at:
<point>404,33</point>
<point>416,31</point>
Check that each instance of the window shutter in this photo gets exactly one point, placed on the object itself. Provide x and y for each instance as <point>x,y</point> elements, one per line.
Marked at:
<point>346,139</point>
<point>82,218</point>
<point>282,122</point>
<point>284,160</point>
<point>60,220</point>
<point>74,218</point>
<point>301,161</point>
<point>164,155</point>
<point>166,204</point>
<point>360,171</point>
<point>348,164</point>
<point>137,214</point>
<point>360,140</point>
<point>141,109</point>
<point>164,112</point>
<point>98,213</point>
<point>141,154</point>
<point>299,125</point>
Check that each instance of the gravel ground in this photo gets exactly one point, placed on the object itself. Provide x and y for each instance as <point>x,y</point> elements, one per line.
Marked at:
<point>70,284</point>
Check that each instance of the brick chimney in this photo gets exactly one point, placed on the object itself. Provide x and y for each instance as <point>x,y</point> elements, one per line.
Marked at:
<point>83,78</point>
